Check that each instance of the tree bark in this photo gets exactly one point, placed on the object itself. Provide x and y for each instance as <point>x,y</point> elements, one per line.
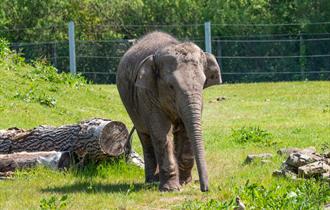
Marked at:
<point>95,139</point>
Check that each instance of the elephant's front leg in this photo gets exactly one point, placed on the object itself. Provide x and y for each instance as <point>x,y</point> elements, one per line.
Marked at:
<point>184,154</point>
<point>162,138</point>
<point>150,161</point>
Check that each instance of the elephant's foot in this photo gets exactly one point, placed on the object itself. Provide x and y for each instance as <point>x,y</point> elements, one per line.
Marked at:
<point>170,186</point>
<point>152,178</point>
<point>185,176</point>
<point>185,180</point>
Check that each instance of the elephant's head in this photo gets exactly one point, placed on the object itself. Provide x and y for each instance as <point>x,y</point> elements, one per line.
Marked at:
<point>177,74</point>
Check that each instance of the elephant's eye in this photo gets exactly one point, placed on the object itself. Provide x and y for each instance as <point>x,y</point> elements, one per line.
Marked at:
<point>171,86</point>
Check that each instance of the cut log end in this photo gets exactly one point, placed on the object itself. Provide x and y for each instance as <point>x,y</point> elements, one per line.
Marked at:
<point>113,138</point>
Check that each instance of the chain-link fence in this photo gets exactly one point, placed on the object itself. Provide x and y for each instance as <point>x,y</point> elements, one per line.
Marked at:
<point>248,58</point>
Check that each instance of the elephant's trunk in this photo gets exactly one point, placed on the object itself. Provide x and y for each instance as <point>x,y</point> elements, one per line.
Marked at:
<point>191,115</point>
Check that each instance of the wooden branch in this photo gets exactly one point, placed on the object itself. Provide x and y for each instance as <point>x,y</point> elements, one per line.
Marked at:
<point>53,159</point>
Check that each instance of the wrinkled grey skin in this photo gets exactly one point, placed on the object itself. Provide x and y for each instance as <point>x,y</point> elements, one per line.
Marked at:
<point>160,81</point>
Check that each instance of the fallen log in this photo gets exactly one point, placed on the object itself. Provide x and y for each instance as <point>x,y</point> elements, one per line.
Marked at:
<point>95,139</point>
<point>53,159</point>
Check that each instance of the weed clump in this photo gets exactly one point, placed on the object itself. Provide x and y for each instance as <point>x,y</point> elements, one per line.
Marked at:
<point>54,203</point>
<point>304,194</point>
<point>43,71</point>
<point>209,204</point>
<point>252,134</point>
<point>36,95</point>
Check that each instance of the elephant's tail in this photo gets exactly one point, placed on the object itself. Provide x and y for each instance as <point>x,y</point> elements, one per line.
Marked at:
<point>129,149</point>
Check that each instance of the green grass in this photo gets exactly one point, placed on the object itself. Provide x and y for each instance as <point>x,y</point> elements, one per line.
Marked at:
<point>292,113</point>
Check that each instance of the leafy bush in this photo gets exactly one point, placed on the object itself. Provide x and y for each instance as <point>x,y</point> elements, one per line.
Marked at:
<point>38,80</point>
<point>43,71</point>
<point>40,69</point>
<point>8,58</point>
<point>4,49</point>
<point>252,135</point>
<point>54,203</point>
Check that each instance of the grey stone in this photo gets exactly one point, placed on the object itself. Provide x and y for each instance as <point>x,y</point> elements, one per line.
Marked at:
<point>278,173</point>
<point>327,206</point>
<point>221,98</point>
<point>289,174</point>
<point>299,159</point>
<point>327,154</point>
<point>265,161</point>
<point>304,163</point>
<point>252,157</point>
<point>326,176</point>
<point>290,150</point>
<point>287,167</point>
<point>315,169</point>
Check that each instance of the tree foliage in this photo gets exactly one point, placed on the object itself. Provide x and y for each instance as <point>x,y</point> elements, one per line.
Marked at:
<point>98,21</point>
<point>104,19</point>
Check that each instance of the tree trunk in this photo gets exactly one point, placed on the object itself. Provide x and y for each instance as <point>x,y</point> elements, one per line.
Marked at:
<point>53,159</point>
<point>95,139</point>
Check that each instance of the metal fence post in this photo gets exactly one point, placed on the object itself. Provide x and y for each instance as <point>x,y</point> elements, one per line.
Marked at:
<point>302,58</point>
<point>72,48</point>
<point>207,34</point>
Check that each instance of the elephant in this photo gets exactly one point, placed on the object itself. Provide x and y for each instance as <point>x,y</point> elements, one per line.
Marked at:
<point>160,81</point>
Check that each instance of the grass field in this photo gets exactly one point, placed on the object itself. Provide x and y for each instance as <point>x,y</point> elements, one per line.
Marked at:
<point>292,113</point>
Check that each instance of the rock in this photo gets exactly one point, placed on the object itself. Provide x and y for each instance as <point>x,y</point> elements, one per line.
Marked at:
<point>221,98</point>
<point>327,206</point>
<point>253,157</point>
<point>289,174</point>
<point>298,159</point>
<point>265,161</point>
<point>287,151</point>
<point>278,173</point>
<point>309,150</point>
<point>326,176</point>
<point>327,160</point>
<point>290,150</point>
<point>285,172</point>
<point>315,169</point>
<point>6,175</point>
<point>305,163</point>
<point>240,204</point>
<point>286,167</point>
<point>327,154</point>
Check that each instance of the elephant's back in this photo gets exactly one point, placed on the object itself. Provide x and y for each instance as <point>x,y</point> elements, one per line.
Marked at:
<point>144,47</point>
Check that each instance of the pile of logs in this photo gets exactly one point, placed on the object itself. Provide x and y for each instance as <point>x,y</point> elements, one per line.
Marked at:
<point>304,163</point>
<point>58,147</point>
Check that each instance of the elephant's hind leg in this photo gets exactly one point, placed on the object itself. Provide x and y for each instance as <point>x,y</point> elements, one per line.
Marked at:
<point>150,161</point>
<point>184,154</point>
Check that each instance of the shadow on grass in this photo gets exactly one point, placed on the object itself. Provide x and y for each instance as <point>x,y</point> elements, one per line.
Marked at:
<point>87,187</point>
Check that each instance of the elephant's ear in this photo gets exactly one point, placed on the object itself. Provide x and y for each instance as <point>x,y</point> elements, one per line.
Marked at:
<point>146,77</point>
<point>212,71</point>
